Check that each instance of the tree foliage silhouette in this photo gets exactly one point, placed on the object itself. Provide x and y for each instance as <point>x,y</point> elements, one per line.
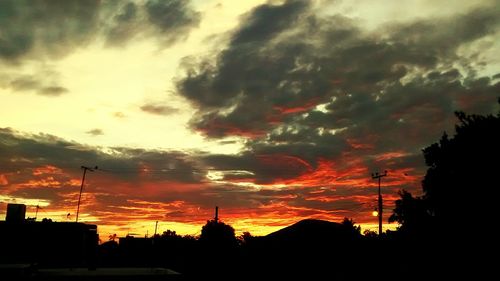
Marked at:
<point>218,233</point>
<point>245,238</point>
<point>461,181</point>
<point>350,226</point>
<point>411,213</point>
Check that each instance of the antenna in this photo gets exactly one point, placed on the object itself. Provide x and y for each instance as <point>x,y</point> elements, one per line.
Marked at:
<point>216,219</point>
<point>85,168</point>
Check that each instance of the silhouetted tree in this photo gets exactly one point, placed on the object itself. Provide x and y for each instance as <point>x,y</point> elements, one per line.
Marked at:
<point>349,224</point>
<point>218,233</point>
<point>170,234</point>
<point>245,238</point>
<point>461,181</point>
<point>370,233</point>
<point>411,213</point>
<point>462,174</point>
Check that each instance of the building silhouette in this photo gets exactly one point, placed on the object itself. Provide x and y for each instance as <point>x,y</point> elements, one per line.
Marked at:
<point>46,243</point>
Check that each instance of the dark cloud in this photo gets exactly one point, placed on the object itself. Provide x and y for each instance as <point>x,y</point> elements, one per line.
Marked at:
<point>224,85</point>
<point>20,152</point>
<point>158,109</point>
<point>35,83</point>
<point>48,29</point>
<point>167,21</point>
<point>95,132</point>
<point>24,83</point>
<point>172,18</point>
<point>264,22</point>
<point>444,35</point>
<point>271,76</point>
<point>52,91</point>
<point>125,25</point>
<point>258,168</point>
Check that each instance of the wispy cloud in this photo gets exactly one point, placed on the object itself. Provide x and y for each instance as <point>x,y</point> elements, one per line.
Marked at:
<point>95,132</point>
<point>158,109</point>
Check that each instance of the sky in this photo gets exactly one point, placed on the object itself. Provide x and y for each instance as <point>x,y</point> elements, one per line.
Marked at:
<point>275,111</point>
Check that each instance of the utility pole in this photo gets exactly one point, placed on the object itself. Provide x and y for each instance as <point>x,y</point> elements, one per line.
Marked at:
<point>216,219</point>
<point>378,176</point>
<point>36,212</point>
<point>81,188</point>
<point>156,228</point>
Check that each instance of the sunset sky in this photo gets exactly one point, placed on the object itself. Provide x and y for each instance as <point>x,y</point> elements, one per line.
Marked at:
<point>275,111</point>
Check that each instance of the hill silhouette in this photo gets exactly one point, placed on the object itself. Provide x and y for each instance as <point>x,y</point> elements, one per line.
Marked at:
<point>312,231</point>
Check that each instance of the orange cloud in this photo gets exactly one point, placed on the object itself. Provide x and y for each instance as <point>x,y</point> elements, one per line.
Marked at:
<point>48,169</point>
<point>3,180</point>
